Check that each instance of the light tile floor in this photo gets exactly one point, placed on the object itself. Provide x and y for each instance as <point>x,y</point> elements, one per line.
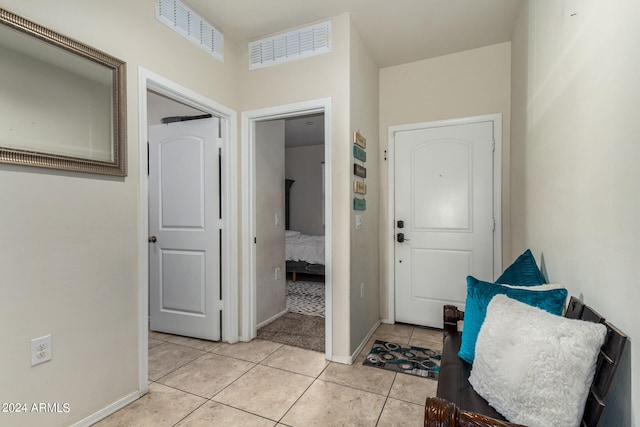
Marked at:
<point>261,383</point>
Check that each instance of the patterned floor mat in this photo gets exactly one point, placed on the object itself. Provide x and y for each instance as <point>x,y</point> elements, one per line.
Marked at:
<point>305,298</point>
<point>418,361</point>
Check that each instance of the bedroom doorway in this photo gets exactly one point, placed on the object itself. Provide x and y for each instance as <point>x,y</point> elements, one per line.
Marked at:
<point>290,245</point>
<point>280,157</point>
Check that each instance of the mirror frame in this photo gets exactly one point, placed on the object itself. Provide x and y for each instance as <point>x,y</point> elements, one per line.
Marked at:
<point>118,166</point>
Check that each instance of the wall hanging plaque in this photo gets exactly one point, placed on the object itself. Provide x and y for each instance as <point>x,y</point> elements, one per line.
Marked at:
<point>359,204</point>
<point>359,140</point>
<point>360,171</point>
<point>359,153</point>
<point>359,187</point>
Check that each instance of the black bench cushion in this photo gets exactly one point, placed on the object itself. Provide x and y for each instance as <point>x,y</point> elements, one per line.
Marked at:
<point>453,384</point>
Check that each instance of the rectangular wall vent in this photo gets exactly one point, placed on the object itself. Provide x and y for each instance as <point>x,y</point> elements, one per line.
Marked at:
<point>177,16</point>
<point>290,46</point>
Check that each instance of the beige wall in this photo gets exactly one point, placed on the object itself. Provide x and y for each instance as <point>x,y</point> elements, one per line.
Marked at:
<point>575,154</point>
<point>69,242</point>
<point>317,77</point>
<point>304,165</point>
<point>270,292</point>
<point>350,78</point>
<point>365,311</point>
<point>159,107</point>
<point>469,83</point>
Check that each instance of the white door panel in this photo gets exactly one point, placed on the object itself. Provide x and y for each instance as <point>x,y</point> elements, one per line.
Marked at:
<point>182,282</point>
<point>182,170</point>
<point>184,261</point>
<point>440,266</point>
<point>444,196</point>
<point>440,185</point>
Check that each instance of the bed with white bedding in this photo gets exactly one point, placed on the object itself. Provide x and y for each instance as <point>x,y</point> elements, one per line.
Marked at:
<point>304,253</point>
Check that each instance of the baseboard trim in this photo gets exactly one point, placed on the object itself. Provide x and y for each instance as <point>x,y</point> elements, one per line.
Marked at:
<point>343,360</point>
<point>105,412</point>
<point>366,340</point>
<point>349,360</point>
<point>272,318</point>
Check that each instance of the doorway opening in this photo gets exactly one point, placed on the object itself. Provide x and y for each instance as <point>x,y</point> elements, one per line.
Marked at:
<point>260,210</point>
<point>290,231</point>
<point>159,86</point>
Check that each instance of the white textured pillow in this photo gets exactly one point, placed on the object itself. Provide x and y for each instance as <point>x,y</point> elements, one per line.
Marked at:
<point>533,367</point>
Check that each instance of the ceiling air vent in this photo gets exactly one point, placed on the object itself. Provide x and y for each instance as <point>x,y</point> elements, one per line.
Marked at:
<point>177,16</point>
<point>290,46</point>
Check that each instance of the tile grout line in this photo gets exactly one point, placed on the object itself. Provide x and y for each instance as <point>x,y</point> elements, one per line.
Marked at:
<point>351,387</point>
<point>296,401</point>
<point>303,393</point>
<point>230,384</point>
<point>248,412</point>
<point>211,399</point>
<point>213,350</point>
<point>250,361</point>
<point>194,410</point>
<point>184,364</point>
<point>386,399</point>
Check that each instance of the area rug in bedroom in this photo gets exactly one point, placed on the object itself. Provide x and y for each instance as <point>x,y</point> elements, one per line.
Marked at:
<point>296,330</point>
<point>305,297</point>
<point>422,362</point>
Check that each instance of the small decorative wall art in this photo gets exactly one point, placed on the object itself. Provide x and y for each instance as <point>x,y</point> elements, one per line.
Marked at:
<point>359,153</point>
<point>359,187</point>
<point>360,156</point>
<point>359,140</point>
<point>359,204</point>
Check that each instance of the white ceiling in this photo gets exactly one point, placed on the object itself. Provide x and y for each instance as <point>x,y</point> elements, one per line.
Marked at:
<point>304,130</point>
<point>395,31</point>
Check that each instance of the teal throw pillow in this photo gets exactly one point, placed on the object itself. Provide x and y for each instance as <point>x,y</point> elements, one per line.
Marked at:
<point>550,298</point>
<point>523,272</point>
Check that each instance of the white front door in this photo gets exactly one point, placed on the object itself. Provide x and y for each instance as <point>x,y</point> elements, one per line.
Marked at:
<point>184,229</point>
<point>444,210</point>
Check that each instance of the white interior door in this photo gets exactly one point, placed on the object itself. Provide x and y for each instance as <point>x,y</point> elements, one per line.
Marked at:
<point>444,198</point>
<point>184,229</point>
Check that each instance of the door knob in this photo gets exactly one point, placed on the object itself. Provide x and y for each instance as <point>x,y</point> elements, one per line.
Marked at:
<point>152,239</point>
<point>401,238</point>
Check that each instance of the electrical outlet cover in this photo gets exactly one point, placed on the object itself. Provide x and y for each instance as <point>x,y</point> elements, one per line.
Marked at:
<point>40,350</point>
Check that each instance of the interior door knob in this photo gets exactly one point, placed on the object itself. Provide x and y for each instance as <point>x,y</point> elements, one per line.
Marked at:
<point>400,237</point>
<point>152,239</point>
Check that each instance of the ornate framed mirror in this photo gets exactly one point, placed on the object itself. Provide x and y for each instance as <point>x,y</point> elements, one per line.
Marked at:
<point>62,103</point>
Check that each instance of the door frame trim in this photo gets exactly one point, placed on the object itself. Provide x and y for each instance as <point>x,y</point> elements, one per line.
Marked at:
<point>147,80</point>
<point>496,119</point>
<point>248,120</point>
